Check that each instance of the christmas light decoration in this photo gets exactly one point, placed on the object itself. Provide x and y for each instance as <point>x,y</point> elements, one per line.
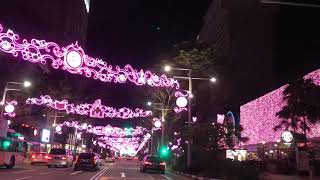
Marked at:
<point>95,110</point>
<point>74,60</point>
<point>181,101</point>
<point>258,117</point>
<point>108,130</point>
<point>9,108</point>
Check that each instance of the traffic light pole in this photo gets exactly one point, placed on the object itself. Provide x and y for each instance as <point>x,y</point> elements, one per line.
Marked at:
<point>189,120</point>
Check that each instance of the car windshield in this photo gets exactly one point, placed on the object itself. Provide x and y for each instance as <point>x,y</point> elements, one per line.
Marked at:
<point>110,156</point>
<point>154,159</point>
<point>86,156</point>
<point>58,152</point>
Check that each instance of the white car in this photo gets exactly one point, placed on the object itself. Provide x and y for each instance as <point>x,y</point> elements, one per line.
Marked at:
<point>110,158</point>
<point>60,157</point>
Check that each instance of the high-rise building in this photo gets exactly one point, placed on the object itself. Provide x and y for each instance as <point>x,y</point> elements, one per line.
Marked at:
<point>61,21</point>
<point>268,43</point>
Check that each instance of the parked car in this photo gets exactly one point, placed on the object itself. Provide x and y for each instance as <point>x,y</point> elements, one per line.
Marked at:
<point>129,157</point>
<point>87,161</point>
<point>110,158</point>
<point>60,157</point>
<point>39,158</point>
<point>154,163</point>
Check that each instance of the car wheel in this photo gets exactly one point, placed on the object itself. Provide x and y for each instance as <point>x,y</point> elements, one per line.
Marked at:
<point>76,169</point>
<point>143,170</point>
<point>12,162</point>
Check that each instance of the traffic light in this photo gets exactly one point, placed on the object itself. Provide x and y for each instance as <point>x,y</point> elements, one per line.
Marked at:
<point>128,131</point>
<point>6,144</point>
<point>164,151</point>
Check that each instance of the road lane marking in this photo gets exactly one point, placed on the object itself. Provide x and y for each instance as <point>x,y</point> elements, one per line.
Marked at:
<point>45,173</point>
<point>99,174</point>
<point>19,172</point>
<point>149,176</point>
<point>24,178</point>
<point>166,176</point>
<point>75,173</point>
<point>123,175</point>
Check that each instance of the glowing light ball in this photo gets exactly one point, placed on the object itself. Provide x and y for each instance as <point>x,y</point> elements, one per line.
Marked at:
<point>35,132</point>
<point>73,59</point>
<point>9,108</point>
<point>79,136</point>
<point>194,119</point>
<point>84,126</point>
<point>157,124</point>
<point>181,102</point>
<point>287,136</point>
<point>58,128</point>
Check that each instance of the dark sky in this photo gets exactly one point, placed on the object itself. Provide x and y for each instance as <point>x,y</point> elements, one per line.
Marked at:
<point>136,31</point>
<point>120,32</point>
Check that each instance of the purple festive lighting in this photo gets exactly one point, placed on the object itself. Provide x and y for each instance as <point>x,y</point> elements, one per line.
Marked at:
<point>107,131</point>
<point>10,107</point>
<point>181,101</point>
<point>95,110</point>
<point>258,117</point>
<point>74,60</point>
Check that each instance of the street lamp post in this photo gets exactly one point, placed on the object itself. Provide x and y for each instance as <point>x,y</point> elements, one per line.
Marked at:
<point>6,89</point>
<point>189,78</point>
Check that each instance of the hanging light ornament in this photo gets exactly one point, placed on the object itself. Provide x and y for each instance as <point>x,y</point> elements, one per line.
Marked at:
<point>95,110</point>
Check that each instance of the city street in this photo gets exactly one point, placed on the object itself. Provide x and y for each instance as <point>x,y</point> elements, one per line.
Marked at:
<point>121,169</point>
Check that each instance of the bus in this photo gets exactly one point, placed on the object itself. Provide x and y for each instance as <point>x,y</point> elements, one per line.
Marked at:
<point>12,150</point>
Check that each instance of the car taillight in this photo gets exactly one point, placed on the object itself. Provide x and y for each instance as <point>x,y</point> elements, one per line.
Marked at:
<point>64,158</point>
<point>49,157</point>
<point>163,164</point>
<point>46,157</point>
<point>33,156</point>
<point>147,163</point>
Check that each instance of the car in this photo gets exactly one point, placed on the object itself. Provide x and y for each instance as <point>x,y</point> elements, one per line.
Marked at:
<point>151,162</point>
<point>129,158</point>
<point>59,157</point>
<point>39,158</point>
<point>87,161</point>
<point>110,158</point>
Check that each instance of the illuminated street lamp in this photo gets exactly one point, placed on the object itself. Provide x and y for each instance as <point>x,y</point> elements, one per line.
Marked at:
<point>149,103</point>
<point>189,78</point>
<point>26,84</point>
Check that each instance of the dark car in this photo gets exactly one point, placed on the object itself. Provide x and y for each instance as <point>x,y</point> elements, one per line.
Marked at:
<point>153,163</point>
<point>87,161</point>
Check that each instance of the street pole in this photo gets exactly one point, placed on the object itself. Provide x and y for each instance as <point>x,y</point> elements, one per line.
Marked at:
<point>189,120</point>
<point>163,121</point>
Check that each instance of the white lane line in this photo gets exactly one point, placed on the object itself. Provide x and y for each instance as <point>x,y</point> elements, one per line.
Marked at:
<point>149,176</point>
<point>45,173</point>
<point>19,172</point>
<point>166,176</point>
<point>24,178</point>
<point>123,175</point>
<point>99,174</point>
<point>75,173</point>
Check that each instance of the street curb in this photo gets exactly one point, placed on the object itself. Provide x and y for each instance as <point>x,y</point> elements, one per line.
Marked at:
<point>191,176</point>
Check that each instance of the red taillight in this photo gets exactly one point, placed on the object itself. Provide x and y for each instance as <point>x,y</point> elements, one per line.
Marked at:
<point>46,157</point>
<point>49,157</point>
<point>147,163</point>
<point>163,164</point>
<point>33,156</point>
<point>64,158</point>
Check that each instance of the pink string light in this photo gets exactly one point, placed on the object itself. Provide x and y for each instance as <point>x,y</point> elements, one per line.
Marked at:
<point>95,110</point>
<point>10,107</point>
<point>74,60</point>
<point>107,131</point>
<point>258,117</point>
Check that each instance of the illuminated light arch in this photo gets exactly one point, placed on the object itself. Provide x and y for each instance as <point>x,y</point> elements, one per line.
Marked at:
<point>74,60</point>
<point>107,131</point>
<point>9,108</point>
<point>95,110</point>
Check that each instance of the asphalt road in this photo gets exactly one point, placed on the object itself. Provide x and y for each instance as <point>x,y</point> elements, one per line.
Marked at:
<point>121,169</point>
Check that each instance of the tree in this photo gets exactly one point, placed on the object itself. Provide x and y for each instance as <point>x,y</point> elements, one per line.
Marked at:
<point>302,106</point>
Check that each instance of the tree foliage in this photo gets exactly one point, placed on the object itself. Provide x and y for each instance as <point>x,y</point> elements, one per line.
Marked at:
<point>302,106</point>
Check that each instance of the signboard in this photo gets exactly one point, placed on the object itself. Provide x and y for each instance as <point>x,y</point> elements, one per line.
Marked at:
<point>3,127</point>
<point>45,136</point>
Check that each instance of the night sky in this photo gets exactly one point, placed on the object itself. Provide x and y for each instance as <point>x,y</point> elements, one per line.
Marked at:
<point>132,32</point>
